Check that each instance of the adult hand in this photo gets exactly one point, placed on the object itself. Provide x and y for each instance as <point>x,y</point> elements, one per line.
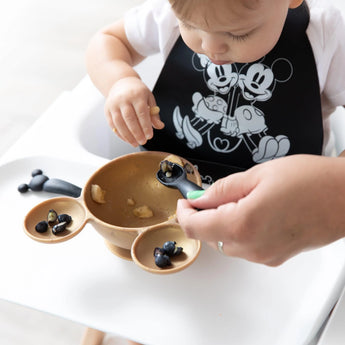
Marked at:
<point>272,211</point>
<point>127,109</point>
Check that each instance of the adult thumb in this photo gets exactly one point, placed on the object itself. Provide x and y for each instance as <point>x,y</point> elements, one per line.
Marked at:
<point>228,189</point>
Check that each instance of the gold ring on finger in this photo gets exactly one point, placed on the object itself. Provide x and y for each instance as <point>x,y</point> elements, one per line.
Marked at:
<point>220,246</point>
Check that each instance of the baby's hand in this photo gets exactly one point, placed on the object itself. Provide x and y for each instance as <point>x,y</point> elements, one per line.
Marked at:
<point>131,111</point>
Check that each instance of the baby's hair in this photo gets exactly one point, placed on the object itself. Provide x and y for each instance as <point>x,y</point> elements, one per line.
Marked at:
<point>184,8</point>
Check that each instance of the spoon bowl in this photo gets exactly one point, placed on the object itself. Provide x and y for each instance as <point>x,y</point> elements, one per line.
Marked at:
<point>177,178</point>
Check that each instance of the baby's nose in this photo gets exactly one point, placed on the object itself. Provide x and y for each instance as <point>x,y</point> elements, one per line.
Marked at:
<point>213,45</point>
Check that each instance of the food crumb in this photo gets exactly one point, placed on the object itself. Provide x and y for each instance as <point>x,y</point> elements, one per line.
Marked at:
<point>130,202</point>
<point>154,110</point>
<point>143,212</point>
<point>171,217</point>
<point>174,159</point>
<point>97,194</point>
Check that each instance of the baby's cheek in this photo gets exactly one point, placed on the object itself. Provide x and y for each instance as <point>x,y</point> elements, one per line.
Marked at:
<point>191,40</point>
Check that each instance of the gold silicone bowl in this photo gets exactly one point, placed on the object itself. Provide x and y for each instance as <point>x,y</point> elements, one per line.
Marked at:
<point>132,176</point>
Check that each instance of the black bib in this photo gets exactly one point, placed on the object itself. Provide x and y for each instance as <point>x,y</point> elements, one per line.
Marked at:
<point>226,118</point>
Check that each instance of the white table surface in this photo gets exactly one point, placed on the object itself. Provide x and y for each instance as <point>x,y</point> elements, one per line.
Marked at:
<point>217,300</point>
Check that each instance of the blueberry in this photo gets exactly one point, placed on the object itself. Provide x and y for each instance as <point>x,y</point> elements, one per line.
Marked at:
<point>162,260</point>
<point>189,168</point>
<point>166,166</point>
<point>36,172</point>
<point>64,218</point>
<point>169,247</point>
<point>59,228</point>
<point>41,226</point>
<point>158,251</point>
<point>52,217</point>
<point>177,251</point>
<point>23,188</point>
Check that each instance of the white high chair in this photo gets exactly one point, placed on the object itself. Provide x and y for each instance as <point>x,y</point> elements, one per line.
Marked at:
<point>96,337</point>
<point>338,129</point>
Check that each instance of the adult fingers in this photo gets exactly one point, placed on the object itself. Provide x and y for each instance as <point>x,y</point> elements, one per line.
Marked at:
<point>226,190</point>
<point>210,224</point>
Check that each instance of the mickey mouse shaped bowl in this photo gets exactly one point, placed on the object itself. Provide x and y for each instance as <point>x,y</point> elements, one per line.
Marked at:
<point>128,206</point>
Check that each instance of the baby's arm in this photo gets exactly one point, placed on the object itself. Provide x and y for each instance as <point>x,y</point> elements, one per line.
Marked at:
<point>110,59</point>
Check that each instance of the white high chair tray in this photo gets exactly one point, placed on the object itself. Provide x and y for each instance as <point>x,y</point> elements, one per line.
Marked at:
<point>217,300</point>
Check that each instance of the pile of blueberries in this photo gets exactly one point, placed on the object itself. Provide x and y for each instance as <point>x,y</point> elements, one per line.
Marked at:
<point>163,255</point>
<point>57,222</point>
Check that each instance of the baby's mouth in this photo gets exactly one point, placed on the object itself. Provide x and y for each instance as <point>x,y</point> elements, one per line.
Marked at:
<point>220,62</point>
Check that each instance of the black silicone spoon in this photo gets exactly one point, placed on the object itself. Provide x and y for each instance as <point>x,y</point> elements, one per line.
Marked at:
<point>176,177</point>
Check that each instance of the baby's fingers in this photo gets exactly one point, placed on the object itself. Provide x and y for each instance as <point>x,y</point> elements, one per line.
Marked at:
<point>144,120</point>
<point>120,128</point>
<point>110,117</point>
<point>131,122</point>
